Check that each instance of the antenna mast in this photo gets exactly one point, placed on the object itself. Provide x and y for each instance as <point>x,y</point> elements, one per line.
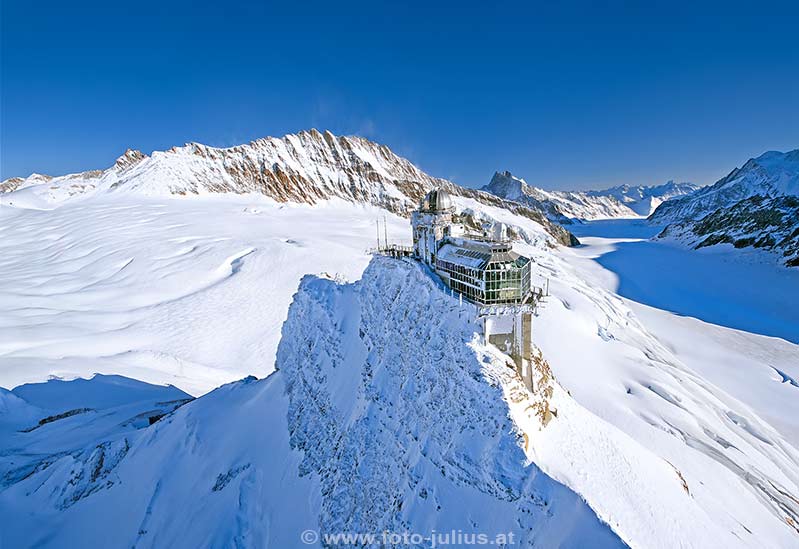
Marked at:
<point>385,231</point>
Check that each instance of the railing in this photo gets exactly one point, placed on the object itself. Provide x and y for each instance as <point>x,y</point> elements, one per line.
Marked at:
<point>393,250</point>
<point>528,305</point>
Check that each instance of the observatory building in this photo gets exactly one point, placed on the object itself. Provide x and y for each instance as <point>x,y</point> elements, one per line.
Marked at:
<point>482,268</point>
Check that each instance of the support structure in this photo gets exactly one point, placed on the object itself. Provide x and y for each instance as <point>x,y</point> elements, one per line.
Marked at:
<point>511,332</point>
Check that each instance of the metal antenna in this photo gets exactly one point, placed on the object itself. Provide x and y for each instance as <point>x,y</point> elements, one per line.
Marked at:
<point>385,230</point>
<point>378,233</point>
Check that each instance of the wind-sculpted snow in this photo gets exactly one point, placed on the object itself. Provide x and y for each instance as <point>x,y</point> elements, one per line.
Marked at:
<point>385,407</point>
<point>190,292</point>
<point>384,416</point>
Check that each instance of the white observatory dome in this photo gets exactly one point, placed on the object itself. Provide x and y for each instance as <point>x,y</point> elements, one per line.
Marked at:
<point>437,200</point>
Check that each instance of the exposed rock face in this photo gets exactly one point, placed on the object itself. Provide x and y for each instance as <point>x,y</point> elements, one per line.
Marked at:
<point>305,168</point>
<point>505,185</point>
<point>771,174</point>
<point>129,159</point>
<point>756,205</point>
<point>768,223</point>
<point>14,183</point>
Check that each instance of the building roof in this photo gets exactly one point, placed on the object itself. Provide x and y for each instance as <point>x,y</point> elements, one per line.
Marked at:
<point>478,255</point>
<point>463,256</point>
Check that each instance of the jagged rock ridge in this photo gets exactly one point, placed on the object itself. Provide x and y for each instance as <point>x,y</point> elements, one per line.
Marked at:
<point>305,168</point>
<point>568,206</point>
<point>644,200</point>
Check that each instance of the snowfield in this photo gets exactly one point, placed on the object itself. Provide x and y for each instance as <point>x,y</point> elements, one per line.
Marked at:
<point>358,431</point>
<point>190,292</point>
<point>682,391</point>
<point>381,408</point>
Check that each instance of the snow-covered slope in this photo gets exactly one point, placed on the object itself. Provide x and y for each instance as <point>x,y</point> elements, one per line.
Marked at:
<point>696,397</point>
<point>756,205</point>
<point>306,168</point>
<point>567,206</point>
<point>388,413</point>
<point>69,437</point>
<point>360,431</point>
<point>189,291</point>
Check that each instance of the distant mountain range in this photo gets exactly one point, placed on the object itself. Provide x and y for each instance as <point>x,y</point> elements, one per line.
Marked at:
<point>644,200</point>
<point>307,167</point>
<point>756,205</point>
<point>568,206</point>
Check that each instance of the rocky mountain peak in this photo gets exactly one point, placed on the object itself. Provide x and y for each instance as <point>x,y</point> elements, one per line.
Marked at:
<point>307,167</point>
<point>504,184</point>
<point>129,158</point>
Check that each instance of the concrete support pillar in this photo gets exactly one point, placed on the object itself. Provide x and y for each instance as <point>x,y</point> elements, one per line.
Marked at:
<point>522,347</point>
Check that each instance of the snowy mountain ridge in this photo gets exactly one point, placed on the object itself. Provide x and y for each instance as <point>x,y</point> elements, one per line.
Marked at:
<point>644,200</point>
<point>754,206</point>
<point>567,206</point>
<point>306,168</point>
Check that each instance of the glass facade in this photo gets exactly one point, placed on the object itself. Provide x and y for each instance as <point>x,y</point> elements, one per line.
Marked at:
<point>501,280</point>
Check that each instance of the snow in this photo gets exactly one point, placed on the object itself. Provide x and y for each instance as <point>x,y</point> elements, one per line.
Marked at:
<point>98,392</point>
<point>771,174</point>
<point>658,389</point>
<point>620,202</point>
<point>711,285</point>
<point>357,431</point>
<point>676,422</point>
<point>644,200</point>
<point>306,167</point>
<point>189,292</point>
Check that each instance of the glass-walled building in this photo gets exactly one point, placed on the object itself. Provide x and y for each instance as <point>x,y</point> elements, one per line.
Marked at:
<point>483,270</point>
<point>488,273</point>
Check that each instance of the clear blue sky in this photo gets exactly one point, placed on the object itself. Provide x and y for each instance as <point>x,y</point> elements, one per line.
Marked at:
<point>576,95</point>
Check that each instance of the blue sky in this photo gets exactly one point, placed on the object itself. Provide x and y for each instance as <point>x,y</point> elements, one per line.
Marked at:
<point>564,94</point>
